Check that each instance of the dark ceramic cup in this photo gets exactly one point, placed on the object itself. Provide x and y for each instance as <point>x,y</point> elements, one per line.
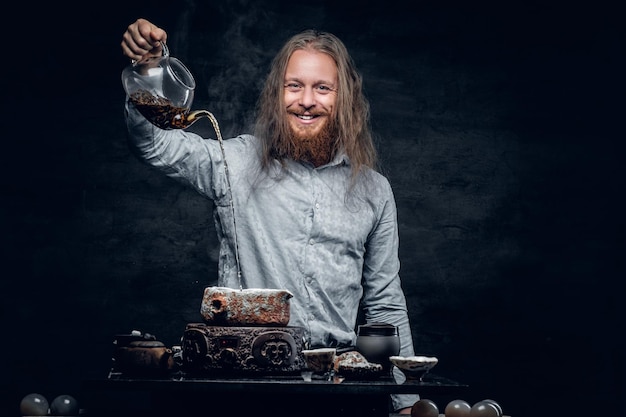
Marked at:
<point>377,342</point>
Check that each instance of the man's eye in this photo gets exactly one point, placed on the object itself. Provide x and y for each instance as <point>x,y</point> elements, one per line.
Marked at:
<point>324,89</point>
<point>293,87</point>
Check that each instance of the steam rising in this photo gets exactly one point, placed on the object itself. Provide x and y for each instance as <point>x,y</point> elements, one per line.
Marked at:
<point>244,58</point>
<point>228,46</point>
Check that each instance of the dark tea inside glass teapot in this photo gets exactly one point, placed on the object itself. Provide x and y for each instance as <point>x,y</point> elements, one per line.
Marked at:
<point>162,89</point>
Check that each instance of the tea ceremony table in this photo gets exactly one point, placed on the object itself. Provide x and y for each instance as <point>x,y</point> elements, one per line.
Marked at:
<point>277,396</point>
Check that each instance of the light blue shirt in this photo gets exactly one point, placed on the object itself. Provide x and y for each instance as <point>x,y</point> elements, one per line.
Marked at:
<point>303,229</point>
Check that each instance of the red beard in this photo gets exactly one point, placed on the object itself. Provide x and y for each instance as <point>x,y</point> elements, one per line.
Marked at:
<point>316,148</point>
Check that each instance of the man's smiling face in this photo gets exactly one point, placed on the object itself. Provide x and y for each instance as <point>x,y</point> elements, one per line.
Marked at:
<point>310,92</point>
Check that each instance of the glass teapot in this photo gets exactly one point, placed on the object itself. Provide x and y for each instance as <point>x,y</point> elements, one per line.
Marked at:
<point>162,89</point>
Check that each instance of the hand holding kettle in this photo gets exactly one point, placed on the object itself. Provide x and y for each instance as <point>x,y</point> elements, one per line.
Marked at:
<point>158,85</point>
<point>143,38</point>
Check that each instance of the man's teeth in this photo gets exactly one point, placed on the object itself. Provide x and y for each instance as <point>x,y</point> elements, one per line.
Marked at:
<point>304,117</point>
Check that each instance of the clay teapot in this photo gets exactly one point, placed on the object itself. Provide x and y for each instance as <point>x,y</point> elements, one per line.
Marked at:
<point>142,354</point>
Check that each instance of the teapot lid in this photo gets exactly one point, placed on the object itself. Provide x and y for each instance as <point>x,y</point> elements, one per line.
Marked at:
<point>377,329</point>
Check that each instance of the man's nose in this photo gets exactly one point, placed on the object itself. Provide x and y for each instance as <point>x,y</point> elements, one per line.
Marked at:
<point>307,98</point>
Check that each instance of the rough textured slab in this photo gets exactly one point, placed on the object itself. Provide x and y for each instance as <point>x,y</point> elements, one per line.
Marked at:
<point>223,306</point>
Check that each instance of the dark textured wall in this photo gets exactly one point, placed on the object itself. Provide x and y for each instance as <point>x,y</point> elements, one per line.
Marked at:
<point>496,127</point>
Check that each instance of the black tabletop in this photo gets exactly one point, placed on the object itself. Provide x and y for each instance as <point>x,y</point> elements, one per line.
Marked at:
<point>279,396</point>
<point>285,384</point>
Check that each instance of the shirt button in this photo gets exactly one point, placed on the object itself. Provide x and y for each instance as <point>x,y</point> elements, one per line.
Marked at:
<point>311,241</point>
<point>317,205</point>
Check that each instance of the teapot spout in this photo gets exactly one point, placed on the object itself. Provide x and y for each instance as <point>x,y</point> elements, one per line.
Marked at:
<point>199,114</point>
<point>194,116</point>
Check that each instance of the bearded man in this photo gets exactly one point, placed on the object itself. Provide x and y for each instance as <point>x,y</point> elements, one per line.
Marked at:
<point>299,205</point>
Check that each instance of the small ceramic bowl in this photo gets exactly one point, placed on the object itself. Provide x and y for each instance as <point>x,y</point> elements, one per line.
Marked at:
<point>319,360</point>
<point>414,367</point>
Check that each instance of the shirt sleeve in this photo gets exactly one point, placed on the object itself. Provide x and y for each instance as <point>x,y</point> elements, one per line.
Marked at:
<point>383,298</point>
<point>182,155</point>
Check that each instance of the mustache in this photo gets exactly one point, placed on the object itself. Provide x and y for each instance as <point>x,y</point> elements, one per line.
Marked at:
<point>309,113</point>
<point>314,112</point>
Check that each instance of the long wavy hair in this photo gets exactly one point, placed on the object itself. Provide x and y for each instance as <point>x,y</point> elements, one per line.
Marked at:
<point>351,117</point>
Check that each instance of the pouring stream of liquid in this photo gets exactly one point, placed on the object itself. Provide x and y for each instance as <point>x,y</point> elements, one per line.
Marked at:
<point>204,113</point>
<point>161,112</point>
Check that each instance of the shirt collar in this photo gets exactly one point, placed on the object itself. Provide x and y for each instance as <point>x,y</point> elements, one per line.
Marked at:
<point>340,159</point>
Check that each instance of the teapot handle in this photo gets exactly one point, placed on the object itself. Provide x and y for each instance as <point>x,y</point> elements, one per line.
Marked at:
<point>165,49</point>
